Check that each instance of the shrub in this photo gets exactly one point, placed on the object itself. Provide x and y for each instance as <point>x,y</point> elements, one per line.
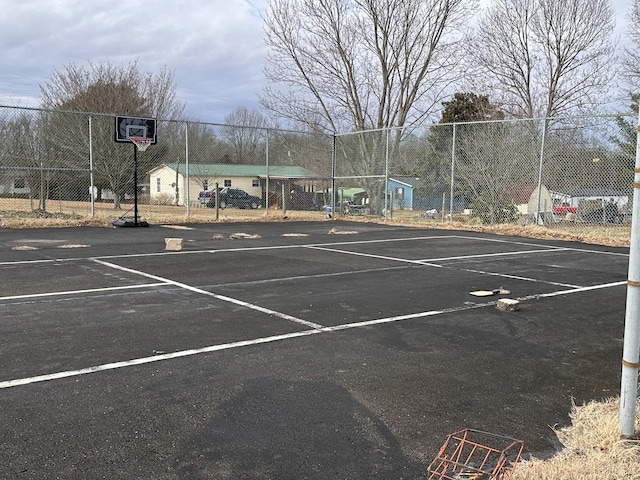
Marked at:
<point>492,209</point>
<point>163,199</point>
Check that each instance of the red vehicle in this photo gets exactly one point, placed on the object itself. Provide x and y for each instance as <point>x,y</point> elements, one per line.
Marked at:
<point>563,208</point>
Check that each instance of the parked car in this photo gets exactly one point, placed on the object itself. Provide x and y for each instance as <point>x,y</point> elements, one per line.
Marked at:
<point>207,196</point>
<point>231,197</point>
<point>610,213</point>
<point>563,208</point>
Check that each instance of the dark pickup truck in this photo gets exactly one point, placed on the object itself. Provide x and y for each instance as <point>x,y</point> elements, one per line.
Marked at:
<point>230,197</point>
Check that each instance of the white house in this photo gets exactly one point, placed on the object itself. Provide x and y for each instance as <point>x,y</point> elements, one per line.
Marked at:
<point>14,185</point>
<point>168,182</point>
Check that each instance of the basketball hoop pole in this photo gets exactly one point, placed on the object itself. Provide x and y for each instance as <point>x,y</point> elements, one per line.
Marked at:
<point>142,133</point>
<point>141,144</point>
<point>135,185</point>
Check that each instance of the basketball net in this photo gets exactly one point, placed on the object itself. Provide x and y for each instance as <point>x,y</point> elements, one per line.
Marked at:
<point>141,142</point>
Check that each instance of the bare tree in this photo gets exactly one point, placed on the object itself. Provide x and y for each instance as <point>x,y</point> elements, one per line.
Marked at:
<point>22,144</point>
<point>361,64</point>
<point>631,57</point>
<point>546,57</point>
<point>345,65</point>
<point>246,135</point>
<point>494,164</point>
<point>107,88</point>
<point>104,88</point>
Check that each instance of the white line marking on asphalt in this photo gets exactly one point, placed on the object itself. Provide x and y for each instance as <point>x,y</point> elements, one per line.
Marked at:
<point>498,240</point>
<point>489,255</point>
<point>574,290</point>
<point>429,262</point>
<point>275,338</point>
<point>517,277</point>
<point>89,290</point>
<point>371,255</point>
<point>225,250</point>
<point>224,298</point>
<point>177,227</point>
<point>315,328</point>
<point>327,244</point>
<point>310,276</point>
<point>154,358</point>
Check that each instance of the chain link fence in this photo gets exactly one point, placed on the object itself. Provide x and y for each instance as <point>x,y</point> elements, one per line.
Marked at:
<point>69,163</point>
<point>569,171</point>
<point>561,171</point>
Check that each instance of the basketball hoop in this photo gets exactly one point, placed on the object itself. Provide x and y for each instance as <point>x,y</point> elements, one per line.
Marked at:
<point>141,142</point>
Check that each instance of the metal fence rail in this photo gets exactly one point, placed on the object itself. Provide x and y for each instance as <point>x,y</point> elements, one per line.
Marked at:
<point>576,170</point>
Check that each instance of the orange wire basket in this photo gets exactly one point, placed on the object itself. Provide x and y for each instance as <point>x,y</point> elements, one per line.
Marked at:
<point>475,455</point>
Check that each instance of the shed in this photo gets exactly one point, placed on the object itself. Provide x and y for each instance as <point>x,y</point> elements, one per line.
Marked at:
<point>400,193</point>
<point>540,205</point>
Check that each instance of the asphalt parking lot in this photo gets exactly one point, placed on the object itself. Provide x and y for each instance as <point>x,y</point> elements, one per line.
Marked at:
<point>292,350</point>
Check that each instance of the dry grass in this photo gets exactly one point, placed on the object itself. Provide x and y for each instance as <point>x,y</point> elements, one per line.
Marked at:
<point>610,235</point>
<point>593,449</point>
<point>18,214</point>
<point>15,213</point>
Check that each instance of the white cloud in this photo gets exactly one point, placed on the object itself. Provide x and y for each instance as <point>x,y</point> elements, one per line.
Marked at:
<point>215,47</point>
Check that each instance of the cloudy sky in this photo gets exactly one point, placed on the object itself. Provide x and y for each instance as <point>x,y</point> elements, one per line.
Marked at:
<point>214,47</point>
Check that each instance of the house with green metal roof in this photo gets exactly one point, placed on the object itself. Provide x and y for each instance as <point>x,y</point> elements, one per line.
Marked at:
<point>172,183</point>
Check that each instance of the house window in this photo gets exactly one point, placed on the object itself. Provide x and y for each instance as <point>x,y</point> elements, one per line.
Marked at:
<point>255,182</point>
<point>205,184</point>
<point>227,183</point>
<point>158,189</point>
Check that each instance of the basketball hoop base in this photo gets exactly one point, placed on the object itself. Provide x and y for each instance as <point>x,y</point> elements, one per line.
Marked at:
<point>129,222</point>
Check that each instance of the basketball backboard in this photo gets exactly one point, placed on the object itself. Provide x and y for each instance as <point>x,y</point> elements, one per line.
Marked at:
<point>127,127</point>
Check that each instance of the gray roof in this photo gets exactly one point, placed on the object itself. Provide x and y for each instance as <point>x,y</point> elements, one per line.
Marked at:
<point>591,192</point>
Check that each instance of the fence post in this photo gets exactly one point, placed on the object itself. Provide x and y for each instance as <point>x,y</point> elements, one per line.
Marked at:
<point>217,198</point>
<point>334,170</point>
<point>187,195</point>
<point>386,176</point>
<point>284,197</point>
<point>266,163</point>
<point>453,171</point>
<point>91,186</point>
<point>539,217</point>
<point>631,349</point>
